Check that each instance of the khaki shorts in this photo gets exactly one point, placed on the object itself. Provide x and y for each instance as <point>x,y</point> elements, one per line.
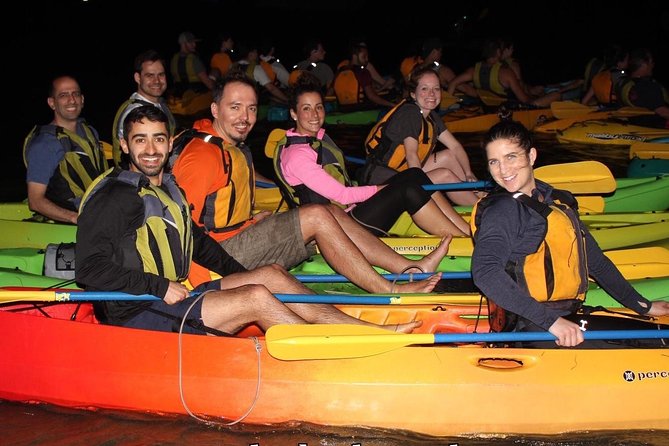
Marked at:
<point>275,239</point>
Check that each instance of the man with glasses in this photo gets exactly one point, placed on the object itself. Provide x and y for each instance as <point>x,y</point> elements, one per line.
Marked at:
<point>63,157</point>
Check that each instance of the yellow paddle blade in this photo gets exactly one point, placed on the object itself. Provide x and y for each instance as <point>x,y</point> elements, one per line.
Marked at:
<point>448,100</point>
<point>272,139</point>
<point>592,204</point>
<point>336,341</point>
<point>581,177</point>
<point>630,111</point>
<point>41,296</point>
<point>570,109</point>
<point>108,150</point>
<point>649,150</point>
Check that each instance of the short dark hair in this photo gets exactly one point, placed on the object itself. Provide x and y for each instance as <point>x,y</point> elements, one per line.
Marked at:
<point>147,56</point>
<point>234,75</point>
<point>511,130</point>
<point>150,112</point>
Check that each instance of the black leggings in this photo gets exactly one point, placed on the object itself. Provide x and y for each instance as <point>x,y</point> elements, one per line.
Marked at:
<point>404,192</point>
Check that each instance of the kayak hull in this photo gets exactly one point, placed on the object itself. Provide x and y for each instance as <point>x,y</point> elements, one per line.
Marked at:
<point>431,390</point>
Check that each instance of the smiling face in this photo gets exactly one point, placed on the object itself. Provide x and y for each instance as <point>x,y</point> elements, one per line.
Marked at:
<point>511,166</point>
<point>148,143</point>
<point>428,92</point>
<point>66,101</point>
<point>309,114</point>
<point>236,112</point>
<point>152,81</point>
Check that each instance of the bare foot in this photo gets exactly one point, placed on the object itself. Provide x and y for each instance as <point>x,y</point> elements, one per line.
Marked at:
<point>422,286</point>
<point>430,262</point>
<point>403,328</point>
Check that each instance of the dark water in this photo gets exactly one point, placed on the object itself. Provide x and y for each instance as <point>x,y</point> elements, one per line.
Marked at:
<point>28,424</point>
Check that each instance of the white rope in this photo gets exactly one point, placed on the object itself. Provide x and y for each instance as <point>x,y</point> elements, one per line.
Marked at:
<point>258,349</point>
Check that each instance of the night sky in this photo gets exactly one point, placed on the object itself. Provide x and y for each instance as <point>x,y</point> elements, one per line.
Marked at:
<point>97,40</point>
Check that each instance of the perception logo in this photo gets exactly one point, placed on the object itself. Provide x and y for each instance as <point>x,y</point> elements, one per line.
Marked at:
<point>631,376</point>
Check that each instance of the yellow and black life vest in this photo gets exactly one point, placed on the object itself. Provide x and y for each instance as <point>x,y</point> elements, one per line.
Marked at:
<point>163,245</point>
<point>486,77</point>
<point>231,206</point>
<point>83,161</point>
<point>557,269</point>
<point>346,86</point>
<point>124,109</point>
<point>379,147</point>
<point>626,86</point>
<point>330,157</point>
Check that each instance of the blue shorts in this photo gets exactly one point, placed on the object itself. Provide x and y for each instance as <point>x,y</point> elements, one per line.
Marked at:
<point>163,317</point>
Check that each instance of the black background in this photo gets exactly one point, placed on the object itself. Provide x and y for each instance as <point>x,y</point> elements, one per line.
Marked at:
<point>97,40</point>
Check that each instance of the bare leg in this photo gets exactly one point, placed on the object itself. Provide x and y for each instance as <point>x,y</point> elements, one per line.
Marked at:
<point>442,167</point>
<point>434,220</point>
<point>277,280</point>
<point>351,250</point>
<point>233,309</point>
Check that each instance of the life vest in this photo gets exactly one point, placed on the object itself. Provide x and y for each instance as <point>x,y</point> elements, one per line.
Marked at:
<point>594,66</point>
<point>379,147</point>
<point>346,86</point>
<point>83,161</point>
<point>625,88</point>
<point>231,206</point>
<point>330,157</point>
<point>545,274</point>
<point>247,69</point>
<point>486,77</point>
<point>182,67</point>
<point>123,111</point>
<point>269,71</point>
<point>221,61</point>
<point>604,85</point>
<point>408,64</point>
<point>163,245</point>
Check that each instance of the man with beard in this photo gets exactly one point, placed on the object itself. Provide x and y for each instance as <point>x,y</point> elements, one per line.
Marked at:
<point>216,171</point>
<point>136,236</point>
<point>151,80</point>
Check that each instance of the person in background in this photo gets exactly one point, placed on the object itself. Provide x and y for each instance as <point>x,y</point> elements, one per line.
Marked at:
<point>252,67</point>
<point>354,85</point>
<point>217,174</point>
<point>271,64</point>
<point>63,157</point>
<point>221,61</point>
<point>135,235</point>
<point>312,170</point>
<point>640,89</point>
<point>151,80</point>
<point>188,71</point>
<point>314,63</point>
<point>532,254</point>
<point>382,84</point>
<point>491,75</point>
<point>407,136</point>
<point>604,85</point>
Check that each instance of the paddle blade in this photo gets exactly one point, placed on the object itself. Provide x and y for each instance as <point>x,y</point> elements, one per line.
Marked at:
<point>272,139</point>
<point>335,341</point>
<point>570,109</point>
<point>581,177</point>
